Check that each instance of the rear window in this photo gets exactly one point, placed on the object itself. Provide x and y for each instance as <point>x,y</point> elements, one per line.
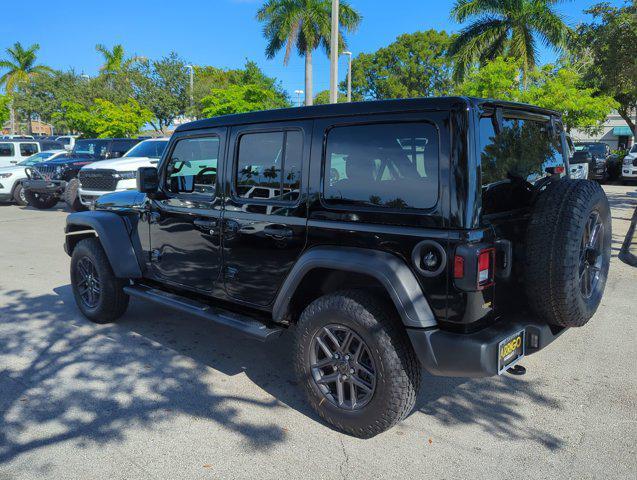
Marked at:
<point>385,165</point>
<point>514,159</point>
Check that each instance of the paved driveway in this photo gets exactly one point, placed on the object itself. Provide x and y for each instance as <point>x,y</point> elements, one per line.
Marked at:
<point>161,395</point>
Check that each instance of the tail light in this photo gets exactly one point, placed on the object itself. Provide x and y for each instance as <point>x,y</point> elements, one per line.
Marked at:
<point>474,267</point>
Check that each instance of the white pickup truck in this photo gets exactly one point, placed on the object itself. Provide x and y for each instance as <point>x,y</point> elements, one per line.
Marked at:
<point>107,176</point>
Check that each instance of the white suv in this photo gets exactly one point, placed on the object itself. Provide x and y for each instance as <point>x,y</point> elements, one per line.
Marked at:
<point>11,177</point>
<point>109,176</point>
<point>629,165</point>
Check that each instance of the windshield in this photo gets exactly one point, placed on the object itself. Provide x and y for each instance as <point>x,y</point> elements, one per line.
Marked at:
<point>150,149</point>
<point>90,148</point>
<point>597,148</point>
<point>37,158</point>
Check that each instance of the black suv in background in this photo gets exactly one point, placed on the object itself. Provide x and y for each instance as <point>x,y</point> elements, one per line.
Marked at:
<point>439,233</point>
<point>49,182</point>
<point>602,165</point>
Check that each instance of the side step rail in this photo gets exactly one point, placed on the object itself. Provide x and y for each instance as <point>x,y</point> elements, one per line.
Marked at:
<point>241,323</point>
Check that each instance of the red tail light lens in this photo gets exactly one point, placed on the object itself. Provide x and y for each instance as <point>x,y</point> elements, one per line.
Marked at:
<point>486,261</point>
<point>458,267</point>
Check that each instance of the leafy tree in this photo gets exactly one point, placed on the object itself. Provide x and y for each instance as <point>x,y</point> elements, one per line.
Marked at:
<point>415,65</point>
<point>21,67</point>
<point>240,99</point>
<point>115,60</point>
<point>505,28</point>
<point>323,97</point>
<point>304,25</point>
<point>605,50</point>
<point>556,88</point>
<point>162,87</point>
<point>4,109</point>
<point>105,119</point>
<point>207,78</point>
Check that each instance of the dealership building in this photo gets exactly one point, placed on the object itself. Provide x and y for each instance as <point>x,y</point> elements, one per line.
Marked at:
<point>615,132</point>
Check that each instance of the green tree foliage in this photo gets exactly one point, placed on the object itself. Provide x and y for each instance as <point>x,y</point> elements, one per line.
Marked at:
<point>606,51</point>
<point>304,25</point>
<point>20,66</point>
<point>162,87</point>
<point>4,109</point>
<point>323,97</point>
<point>105,119</point>
<point>208,78</point>
<point>508,28</point>
<point>415,65</point>
<point>240,99</point>
<point>556,88</point>
<point>115,60</point>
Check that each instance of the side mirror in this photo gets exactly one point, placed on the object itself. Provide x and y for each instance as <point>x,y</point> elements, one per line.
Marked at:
<point>147,180</point>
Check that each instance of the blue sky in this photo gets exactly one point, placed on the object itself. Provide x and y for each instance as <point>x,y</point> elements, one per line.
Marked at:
<point>222,33</point>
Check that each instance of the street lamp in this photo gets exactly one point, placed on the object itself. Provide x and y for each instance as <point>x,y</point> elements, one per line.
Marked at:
<point>349,76</point>
<point>334,54</point>
<point>299,93</point>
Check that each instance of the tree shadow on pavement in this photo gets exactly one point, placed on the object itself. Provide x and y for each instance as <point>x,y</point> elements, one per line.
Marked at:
<point>65,379</point>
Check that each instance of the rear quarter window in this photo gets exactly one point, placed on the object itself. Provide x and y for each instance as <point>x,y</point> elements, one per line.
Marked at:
<point>383,165</point>
<point>7,150</point>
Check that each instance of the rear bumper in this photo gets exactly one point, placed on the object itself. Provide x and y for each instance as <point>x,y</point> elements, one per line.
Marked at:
<point>51,187</point>
<point>476,354</point>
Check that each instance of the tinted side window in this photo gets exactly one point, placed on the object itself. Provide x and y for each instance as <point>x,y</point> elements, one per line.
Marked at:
<point>120,147</point>
<point>28,149</point>
<point>7,150</point>
<point>513,159</point>
<point>192,167</point>
<point>390,165</point>
<point>269,164</point>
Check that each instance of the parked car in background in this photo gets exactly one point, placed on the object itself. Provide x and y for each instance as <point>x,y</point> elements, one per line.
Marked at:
<point>595,154</point>
<point>14,151</point>
<point>18,137</point>
<point>48,182</point>
<point>109,176</point>
<point>629,165</point>
<point>11,177</point>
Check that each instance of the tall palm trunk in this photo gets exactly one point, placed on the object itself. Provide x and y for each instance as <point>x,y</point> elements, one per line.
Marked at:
<point>309,95</point>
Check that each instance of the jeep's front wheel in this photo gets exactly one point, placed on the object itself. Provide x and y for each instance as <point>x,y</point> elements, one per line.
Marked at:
<point>19,196</point>
<point>98,293</point>
<point>357,366</point>
<point>72,196</point>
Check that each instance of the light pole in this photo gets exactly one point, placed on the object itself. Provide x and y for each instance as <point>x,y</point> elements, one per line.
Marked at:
<point>349,76</point>
<point>192,85</point>
<point>299,93</point>
<point>334,54</point>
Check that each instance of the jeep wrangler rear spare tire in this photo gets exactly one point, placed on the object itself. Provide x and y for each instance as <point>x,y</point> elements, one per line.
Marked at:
<point>98,293</point>
<point>568,252</point>
<point>355,363</point>
<point>72,196</point>
<point>40,201</point>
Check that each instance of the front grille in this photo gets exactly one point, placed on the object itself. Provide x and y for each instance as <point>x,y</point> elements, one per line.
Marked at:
<point>46,170</point>
<point>98,180</point>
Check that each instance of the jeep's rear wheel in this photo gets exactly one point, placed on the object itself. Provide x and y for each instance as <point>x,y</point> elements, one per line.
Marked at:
<point>72,196</point>
<point>356,364</point>
<point>39,200</point>
<point>568,252</point>
<point>98,293</point>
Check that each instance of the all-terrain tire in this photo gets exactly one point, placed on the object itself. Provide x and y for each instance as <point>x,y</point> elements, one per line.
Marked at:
<point>398,372</point>
<point>41,202</point>
<point>72,197</point>
<point>112,302</point>
<point>19,196</point>
<point>554,254</point>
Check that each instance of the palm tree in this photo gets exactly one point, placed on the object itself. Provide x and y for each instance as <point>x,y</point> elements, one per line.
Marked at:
<point>509,28</point>
<point>304,24</point>
<point>21,67</point>
<point>114,60</point>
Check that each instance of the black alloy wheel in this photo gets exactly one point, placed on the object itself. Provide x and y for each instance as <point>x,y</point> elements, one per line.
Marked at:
<point>591,257</point>
<point>88,283</point>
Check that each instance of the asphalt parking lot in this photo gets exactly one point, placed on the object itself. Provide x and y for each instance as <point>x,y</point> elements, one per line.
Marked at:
<point>161,395</point>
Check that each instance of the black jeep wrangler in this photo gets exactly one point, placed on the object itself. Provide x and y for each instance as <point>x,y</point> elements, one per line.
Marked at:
<point>392,236</point>
<point>49,182</point>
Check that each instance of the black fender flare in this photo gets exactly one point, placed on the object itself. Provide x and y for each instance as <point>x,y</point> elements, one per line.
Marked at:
<point>392,272</point>
<point>111,230</point>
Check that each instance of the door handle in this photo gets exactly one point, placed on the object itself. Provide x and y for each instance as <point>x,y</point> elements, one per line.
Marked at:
<point>205,224</point>
<point>278,231</point>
